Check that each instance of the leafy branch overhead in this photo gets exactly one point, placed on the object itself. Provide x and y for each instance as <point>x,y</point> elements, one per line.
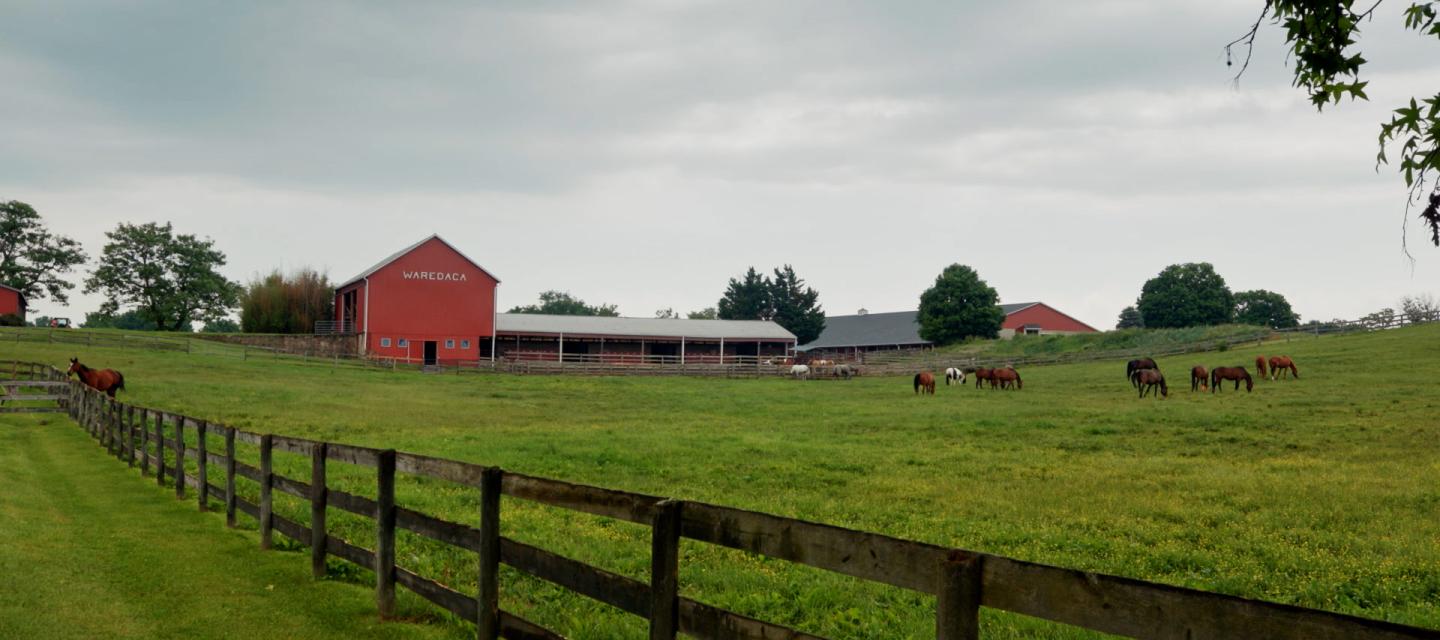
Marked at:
<point>1321,35</point>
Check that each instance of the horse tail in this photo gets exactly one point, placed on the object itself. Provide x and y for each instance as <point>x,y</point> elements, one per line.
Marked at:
<point>917,383</point>
<point>1295,370</point>
<point>119,381</point>
<point>1019,384</point>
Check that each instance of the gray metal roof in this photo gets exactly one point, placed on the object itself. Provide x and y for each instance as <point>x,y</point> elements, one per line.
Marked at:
<point>880,329</point>
<point>396,256</point>
<point>642,327</point>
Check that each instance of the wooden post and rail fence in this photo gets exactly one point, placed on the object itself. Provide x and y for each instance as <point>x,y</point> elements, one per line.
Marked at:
<point>962,581</point>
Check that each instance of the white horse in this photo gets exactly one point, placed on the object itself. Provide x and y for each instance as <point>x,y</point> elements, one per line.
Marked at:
<point>954,374</point>
<point>800,371</point>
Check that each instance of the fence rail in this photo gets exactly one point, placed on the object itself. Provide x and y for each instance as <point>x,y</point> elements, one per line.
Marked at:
<point>963,581</point>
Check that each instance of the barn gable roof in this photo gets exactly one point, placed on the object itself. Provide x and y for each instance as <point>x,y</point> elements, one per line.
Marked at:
<point>10,288</point>
<point>676,328</point>
<point>881,329</point>
<point>398,254</point>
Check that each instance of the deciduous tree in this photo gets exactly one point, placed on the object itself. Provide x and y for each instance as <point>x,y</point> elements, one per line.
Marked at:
<point>561,303</point>
<point>171,279</point>
<point>1186,295</point>
<point>958,306</point>
<point>1266,309</point>
<point>281,303</point>
<point>32,259</point>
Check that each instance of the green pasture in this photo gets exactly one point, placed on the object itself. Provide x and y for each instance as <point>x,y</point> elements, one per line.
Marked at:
<point>1322,491</point>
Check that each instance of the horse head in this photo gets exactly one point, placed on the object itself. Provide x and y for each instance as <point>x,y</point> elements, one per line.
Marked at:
<point>75,367</point>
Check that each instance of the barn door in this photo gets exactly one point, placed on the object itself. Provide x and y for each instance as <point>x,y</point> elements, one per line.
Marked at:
<point>429,352</point>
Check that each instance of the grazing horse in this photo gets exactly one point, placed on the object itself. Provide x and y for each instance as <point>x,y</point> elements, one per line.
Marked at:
<point>983,374</point>
<point>1280,366</point>
<point>799,371</point>
<point>1148,380</point>
<point>106,380</point>
<point>925,382</point>
<point>1139,364</point>
<point>1006,378</point>
<point>1221,374</point>
<point>1260,366</point>
<point>954,374</point>
<point>1199,379</point>
<point>843,371</point>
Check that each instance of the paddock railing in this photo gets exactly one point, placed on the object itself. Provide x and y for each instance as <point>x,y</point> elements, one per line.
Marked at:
<point>963,581</point>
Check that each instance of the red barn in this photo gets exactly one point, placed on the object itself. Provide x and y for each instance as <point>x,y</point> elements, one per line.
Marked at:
<point>426,303</point>
<point>1037,318</point>
<point>12,301</point>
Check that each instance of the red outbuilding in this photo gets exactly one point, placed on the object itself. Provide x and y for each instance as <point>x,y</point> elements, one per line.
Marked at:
<point>1037,318</point>
<point>12,301</point>
<point>426,303</point>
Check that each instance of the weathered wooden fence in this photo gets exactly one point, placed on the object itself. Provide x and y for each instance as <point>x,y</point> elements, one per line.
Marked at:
<point>962,581</point>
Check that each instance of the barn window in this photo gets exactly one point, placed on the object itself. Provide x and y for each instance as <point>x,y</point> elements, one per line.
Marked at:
<point>464,344</point>
<point>450,344</point>
<point>404,344</point>
<point>385,342</point>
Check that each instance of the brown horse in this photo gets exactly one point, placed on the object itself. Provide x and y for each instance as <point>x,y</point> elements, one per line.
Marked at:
<point>1260,366</point>
<point>1280,366</point>
<point>105,380</point>
<point>1150,379</point>
<point>1006,378</point>
<point>982,374</point>
<point>1139,364</point>
<point>1199,379</point>
<point>1221,374</point>
<point>925,382</point>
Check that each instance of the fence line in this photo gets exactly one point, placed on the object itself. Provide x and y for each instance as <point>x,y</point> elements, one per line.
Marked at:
<point>963,581</point>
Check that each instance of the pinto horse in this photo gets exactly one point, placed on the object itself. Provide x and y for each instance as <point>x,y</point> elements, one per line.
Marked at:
<point>105,380</point>
<point>982,374</point>
<point>925,383</point>
<point>954,374</point>
<point>1148,380</point>
<point>1260,366</point>
<point>1006,378</point>
<point>1199,379</point>
<point>1139,364</point>
<point>1281,366</point>
<point>1221,374</point>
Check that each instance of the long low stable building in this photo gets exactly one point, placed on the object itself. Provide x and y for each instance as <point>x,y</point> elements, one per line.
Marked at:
<point>901,329</point>
<point>429,303</point>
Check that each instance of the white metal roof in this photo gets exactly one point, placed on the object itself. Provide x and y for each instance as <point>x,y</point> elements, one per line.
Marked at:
<point>642,327</point>
<point>396,256</point>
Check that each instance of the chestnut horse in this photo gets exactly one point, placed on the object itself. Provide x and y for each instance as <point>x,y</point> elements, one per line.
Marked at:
<point>105,380</point>
<point>1260,366</point>
<point>925,381</point>
<point>1140,364</point>
<point>1148,380</point>
<point>1280,366</point>
<point>1199,379</point>
<point>1221,374</point>
<point>1006,378</point>
<point>982,374</point>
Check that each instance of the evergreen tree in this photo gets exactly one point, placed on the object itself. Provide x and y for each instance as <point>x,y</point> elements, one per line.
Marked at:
<point>960,305</point>
<point>747,299</point>
<point>1130,319</point>
<point>797,307</point>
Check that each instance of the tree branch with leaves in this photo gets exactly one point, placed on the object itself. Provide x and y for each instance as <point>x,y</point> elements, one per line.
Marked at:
<point>169,278</point>
<point>32,259</point>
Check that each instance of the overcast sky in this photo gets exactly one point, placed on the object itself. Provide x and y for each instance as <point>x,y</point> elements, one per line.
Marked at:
<point>642,153</point>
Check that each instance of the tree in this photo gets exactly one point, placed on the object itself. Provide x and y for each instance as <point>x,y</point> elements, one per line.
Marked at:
<point>171,279</point>
<point>747,298</point>
<point>708,313</point>
<point>561,303</point>
<point>1266,309</point>
<point>280,303</point>
<point>132,320</point>
<point>223,325</point>
<point>1186,295</point>
<point>1130,319</point>
<point>1421,308</point>
<point>42,321</point>
<point>1321,35</point>
<point>958,306</point>
<point>32,259</point>
<point>668,313</point>
<point>796,306</point>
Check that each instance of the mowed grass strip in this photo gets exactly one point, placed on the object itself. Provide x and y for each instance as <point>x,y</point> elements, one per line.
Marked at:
<point>1323,491</point>
<point>90,550</point>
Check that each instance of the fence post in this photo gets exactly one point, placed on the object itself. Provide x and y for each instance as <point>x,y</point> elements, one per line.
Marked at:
<point>160,448</point>
<point>385,534</point>
<point>202,472</point>
<point>107,435</point>
<point>144,442</point>
<point>319,496</point>
<point>230,477</point>
<point>130,434</point>
<point>179,456</point>
<point>665,571</point>
<point>266,480</point>
<point>488,601</point>
<point>957,615</point>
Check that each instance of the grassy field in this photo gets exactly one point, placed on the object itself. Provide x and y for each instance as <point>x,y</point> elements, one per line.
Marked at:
<point>1107,341</point>
<point>1323,492</point>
